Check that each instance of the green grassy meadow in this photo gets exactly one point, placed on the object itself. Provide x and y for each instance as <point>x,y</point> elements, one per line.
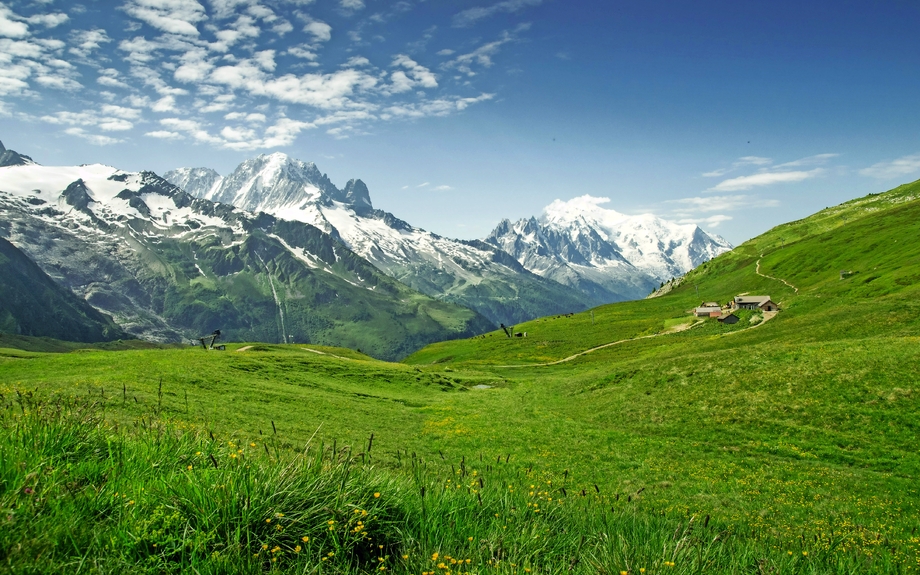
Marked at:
<point>795,440</point>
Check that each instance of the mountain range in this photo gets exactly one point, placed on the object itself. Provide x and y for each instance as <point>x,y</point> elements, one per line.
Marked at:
<point>522,270</point>
<point>602,253</point>
<point>276,252</point>
<point>169,267</point>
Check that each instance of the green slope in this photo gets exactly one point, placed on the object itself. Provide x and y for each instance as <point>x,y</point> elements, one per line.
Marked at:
<point>871,237</point>
<point>796,436</point>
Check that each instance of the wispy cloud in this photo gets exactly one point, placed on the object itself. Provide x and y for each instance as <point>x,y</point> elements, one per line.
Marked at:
<point>472,15</point>
<point>726,203</point>
<point>171,16</point>
<point>902,166</point>
<point>482,55</point>
<point>737,164</point>
<point>709,221</point>
<point>95,139</point>
<point>764,179</point>
<point>351,6</point>
<point>816,160</point>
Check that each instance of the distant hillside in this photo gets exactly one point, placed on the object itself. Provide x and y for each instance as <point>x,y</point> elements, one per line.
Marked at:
<point>856,268</point>
<point>33,304</point>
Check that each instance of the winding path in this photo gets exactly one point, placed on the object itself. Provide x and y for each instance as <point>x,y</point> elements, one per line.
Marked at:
<point>587,351</point>
<point>773,278</point>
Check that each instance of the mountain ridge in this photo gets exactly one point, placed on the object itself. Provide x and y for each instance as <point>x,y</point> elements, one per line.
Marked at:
<point>168,266</point>
<point>603,253</point>
<point>575,267</point>
<point>472,274</point>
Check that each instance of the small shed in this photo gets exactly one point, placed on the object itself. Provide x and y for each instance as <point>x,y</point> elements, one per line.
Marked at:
<point>708,311</point>
<point>729,319</point>
<point>710,304</point>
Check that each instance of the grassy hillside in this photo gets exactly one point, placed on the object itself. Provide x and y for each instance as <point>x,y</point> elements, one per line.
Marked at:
<point>797,438</point>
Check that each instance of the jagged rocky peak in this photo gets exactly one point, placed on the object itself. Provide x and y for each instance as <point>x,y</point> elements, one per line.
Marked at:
<point>271,183</point>
<point>198,182</point>
<point>357,196</point>
<point>77,195</point>
<point>12,158</point>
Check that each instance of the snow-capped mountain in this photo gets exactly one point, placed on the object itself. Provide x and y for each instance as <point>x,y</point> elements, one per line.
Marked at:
<point>168,266</point>
<point>204,179</point>
<point>473,274</point>
<point>603,253</point>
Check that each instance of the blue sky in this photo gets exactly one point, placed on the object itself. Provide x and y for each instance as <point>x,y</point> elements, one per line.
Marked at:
<point>458,113</point>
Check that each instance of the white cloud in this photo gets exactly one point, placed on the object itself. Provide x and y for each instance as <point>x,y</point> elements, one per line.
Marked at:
<point>816,160</point>
<point>445,52</point>
<point>351,5</point>
<point>192,128</point>
<point>441,188</point>
<point>328,91</point>
<point>57,82</point>
<point>195,66</point>
<point>164,135</point>
<point>227,8</point>
<point>238,134</point>
<point>221,103</point>
<point>900,167</point>
<point>121,112</point>
<point>95,139</point>
<point>164,105</point>
<point>171,16</point>
<point>48,20</point>
<point>10,26</point>
<point>415,76</point>
<point>282,133</point>
<point>356,62</point>
<point>320,31</point>
<point>341,132</point>
<point>764,179</point>
<point>112,119</point>
<point>265,59</point>
<point>115,125</point>
<point>752,161</point>
<point>109,77</point>
<point>724,203</point>
<point>483,54</point>
<point>140,50</point>
<point>282,27</point>
<point>472,15</point>
<point>439,107</point>
<point>423,185</point>
<point>303,51</point>
<point>709,222</point>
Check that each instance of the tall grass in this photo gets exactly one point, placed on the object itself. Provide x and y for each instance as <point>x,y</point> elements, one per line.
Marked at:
<point>81,495</point>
